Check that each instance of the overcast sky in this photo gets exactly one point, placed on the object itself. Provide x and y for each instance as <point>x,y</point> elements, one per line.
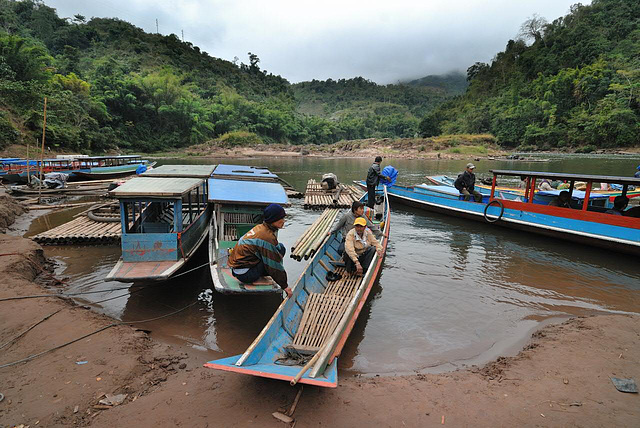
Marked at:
<point>384,41</point>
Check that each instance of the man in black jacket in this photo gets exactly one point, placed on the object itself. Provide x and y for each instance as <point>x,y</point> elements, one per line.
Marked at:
<point>465,183</point>
<point>373,178</point>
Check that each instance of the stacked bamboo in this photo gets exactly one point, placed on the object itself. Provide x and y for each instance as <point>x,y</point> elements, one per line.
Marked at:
<point>312,238</point>
<point>341,197</point>
<point>81,230</point>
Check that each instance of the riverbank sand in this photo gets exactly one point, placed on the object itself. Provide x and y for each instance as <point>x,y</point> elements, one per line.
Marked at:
<point>561,378</point>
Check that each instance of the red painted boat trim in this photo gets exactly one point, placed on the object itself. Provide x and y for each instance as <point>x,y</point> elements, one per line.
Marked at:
<point>595,217</point>
<point>270,375</point>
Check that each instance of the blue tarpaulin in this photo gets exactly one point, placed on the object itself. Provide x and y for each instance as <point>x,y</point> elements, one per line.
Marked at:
<point>140,169</point>
<point>390,172</point>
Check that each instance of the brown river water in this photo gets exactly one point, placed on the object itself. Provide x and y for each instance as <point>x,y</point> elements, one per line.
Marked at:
<point>452,292</point>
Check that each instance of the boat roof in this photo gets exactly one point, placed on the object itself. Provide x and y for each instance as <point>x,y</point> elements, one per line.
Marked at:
<point>109,157</point>
<point>243,171</point>
<point>246,192</point>
<point>192,171</point>
<point>156,187</point>
<point>569,177</point>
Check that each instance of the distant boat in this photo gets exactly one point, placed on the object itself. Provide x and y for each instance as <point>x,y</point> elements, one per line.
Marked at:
<point>108,167</point>
<point>305,336</point>
<point>164,220</point>
<point>514,193</point>
<point>584,223</point>
<point>238,201</point>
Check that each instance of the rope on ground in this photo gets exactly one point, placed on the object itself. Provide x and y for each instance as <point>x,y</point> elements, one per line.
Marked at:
<point>10,341</point>
<point>55,348</point>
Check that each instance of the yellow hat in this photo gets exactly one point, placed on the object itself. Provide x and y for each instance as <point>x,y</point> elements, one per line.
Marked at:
<point>360,221</point>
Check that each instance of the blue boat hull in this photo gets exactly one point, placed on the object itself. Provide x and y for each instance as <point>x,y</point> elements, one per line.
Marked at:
<point>608,236</point>
<point>261,359</point>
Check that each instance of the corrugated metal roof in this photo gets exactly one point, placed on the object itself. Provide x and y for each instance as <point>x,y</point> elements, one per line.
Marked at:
<point>156,187</point>
<point>195,171</point>
<point>246,192</point>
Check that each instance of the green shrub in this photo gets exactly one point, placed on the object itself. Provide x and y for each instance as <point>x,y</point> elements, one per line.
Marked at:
<point>589,148</point>
<point>240,138</point>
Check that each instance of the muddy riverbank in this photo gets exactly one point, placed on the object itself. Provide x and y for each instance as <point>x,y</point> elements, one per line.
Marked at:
<point>560,378</point>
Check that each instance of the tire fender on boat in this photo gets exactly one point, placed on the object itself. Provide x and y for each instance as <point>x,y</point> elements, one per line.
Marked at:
<point>493,219</point>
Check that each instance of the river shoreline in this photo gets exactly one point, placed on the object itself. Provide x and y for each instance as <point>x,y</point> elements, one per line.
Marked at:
<point>560,377</point>
<point>445,147</point>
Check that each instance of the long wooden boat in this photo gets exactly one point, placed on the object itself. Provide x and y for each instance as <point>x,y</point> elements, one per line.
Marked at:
<point>19,170</point>
<point>108,167</point>
<point>307,333</point>
<point>238,204</point>
<point>164,221</point>
<point>515,193</point>
<point>584,223</point>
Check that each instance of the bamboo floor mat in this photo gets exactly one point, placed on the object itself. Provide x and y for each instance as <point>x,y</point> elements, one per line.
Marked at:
<point>322,313</point>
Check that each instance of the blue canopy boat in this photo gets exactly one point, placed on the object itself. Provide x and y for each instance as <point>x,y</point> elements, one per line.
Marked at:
<point>164,221</point>
<point>239,200</point>
<point>303,339</point>
<point>585,223</point>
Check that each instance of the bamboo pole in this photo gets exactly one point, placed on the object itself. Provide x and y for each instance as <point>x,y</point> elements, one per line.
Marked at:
<point>44,128</point>
<point>28,166</point>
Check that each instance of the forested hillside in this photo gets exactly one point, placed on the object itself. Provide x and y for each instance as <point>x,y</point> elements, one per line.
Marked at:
<point>361,105</point>
<point>454,83</point>
<point>111,85</point>
<point>576,85</point>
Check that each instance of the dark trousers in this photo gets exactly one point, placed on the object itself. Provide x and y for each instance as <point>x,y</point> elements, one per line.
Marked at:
<point>341,247</point>
<point>371,196</point>
<point>364,259</point>
<point>257,271</point>
<point>252,275</point>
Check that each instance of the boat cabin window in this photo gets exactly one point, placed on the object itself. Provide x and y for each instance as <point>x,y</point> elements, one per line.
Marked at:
<point>148,216</point>
<point>236,221</point>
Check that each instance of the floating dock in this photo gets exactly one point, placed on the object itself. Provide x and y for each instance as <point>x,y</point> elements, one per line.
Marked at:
<point>316,197</point>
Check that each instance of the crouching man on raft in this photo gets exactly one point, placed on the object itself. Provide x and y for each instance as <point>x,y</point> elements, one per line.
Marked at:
<point>258,252</point>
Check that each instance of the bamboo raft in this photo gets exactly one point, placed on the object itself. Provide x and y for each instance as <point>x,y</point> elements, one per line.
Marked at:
<point>312,238</point>
<point>104,228</point>
<point>316,197</point>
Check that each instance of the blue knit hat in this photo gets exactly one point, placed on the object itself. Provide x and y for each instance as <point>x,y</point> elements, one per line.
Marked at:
<point>273,213</point>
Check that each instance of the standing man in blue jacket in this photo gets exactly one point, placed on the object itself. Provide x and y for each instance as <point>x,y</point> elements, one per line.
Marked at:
<point>373,178</point>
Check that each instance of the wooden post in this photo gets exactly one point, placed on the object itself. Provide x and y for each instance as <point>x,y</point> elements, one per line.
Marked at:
<point>532,192</point>
<point>493,187</point>
<point>587,194</point>
<point>28,169</point>
<point>44,129</point>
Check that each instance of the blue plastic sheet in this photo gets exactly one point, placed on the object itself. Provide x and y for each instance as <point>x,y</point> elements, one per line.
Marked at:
<point>140,169</point>
<point>390,172</point>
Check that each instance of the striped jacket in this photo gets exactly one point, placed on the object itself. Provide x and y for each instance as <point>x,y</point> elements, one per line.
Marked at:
<point>260,244</point>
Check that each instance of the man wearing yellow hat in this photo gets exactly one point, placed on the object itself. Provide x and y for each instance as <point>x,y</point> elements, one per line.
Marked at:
<point>359,247</point>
